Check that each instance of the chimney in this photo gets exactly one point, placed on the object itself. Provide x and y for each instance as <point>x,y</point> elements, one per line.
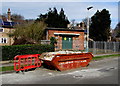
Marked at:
<point>83,25</point>
<point>9,15</point>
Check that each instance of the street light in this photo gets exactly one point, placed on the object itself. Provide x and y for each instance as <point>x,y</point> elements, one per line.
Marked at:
<point>87,48</point>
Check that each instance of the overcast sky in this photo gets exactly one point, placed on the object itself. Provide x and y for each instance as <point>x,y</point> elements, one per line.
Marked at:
<point>74,10</point>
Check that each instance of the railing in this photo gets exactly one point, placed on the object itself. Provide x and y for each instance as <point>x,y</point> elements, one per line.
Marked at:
<point>100,47</point>
<point>96,47</point>
<point>45,41</point>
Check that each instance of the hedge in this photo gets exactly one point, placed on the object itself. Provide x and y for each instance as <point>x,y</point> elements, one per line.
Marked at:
<point>9,52</point>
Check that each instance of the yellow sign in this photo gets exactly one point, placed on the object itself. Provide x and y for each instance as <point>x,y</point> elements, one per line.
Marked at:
<point>65,38</point>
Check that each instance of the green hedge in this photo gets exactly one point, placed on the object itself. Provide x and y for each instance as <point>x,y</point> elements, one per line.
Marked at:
<point>9,52</point>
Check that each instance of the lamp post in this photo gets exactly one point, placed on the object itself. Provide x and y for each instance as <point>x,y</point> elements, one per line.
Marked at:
<point>87,48</point>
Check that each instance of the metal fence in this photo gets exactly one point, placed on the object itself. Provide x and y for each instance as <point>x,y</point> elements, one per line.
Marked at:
<point>45,41</point>
<point>96,47</point>
<point>101,47</point>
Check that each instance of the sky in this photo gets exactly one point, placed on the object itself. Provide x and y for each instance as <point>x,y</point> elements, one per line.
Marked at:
<point>73,9</point>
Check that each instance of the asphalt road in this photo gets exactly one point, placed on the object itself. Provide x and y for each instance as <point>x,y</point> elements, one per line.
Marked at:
<point>103,71</point>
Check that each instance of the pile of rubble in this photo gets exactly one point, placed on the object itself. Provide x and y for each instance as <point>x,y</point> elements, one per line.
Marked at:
<point>50,55</point>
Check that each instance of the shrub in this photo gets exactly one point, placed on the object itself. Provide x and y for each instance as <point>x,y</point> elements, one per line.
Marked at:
<point>53,41</point>
<point>9,52</point>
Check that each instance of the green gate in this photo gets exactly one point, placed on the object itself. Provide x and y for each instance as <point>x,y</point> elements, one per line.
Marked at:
<point>67,42</point>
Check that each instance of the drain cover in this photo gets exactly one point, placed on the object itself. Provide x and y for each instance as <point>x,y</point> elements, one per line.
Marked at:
<point>78,76</point>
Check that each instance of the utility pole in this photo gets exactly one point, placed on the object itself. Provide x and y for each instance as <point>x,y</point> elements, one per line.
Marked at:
<point>87,48</point>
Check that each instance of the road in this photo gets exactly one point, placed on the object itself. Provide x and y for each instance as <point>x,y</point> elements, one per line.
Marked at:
<point>103,71</point>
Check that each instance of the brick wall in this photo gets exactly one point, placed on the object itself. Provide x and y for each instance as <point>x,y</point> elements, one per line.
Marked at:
<point>78,41</point>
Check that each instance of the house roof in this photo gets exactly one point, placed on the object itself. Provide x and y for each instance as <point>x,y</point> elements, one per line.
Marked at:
<point>64,29</point>
<point>1,22</point>
<point>7,24</point>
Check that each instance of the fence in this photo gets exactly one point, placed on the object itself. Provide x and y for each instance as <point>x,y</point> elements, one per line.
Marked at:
<point>96,47</point>
<point>45,41</point>
<point>100,47</point>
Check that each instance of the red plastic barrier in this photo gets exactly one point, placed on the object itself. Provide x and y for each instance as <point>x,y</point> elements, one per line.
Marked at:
<point>23,62</point>
<point>69,61</point>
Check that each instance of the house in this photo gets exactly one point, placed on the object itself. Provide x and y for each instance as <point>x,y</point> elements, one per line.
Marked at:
<point>6,27</point>
<point>70,39</point>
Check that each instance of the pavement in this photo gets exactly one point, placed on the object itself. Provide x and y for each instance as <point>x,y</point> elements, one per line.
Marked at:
<point>6,64</point>
<point>104,71</point>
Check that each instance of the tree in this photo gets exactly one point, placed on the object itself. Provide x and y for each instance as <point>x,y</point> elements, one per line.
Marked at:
<point>53,41</point>
<point>63,21</point>
<point>14,17</point>
<point>54,19</point>
<point>100,25</point>
<point>4,16</point>
<point>117,30</point>
<point>17,18</point>
<point>85,20</point>
<point>30,32</point>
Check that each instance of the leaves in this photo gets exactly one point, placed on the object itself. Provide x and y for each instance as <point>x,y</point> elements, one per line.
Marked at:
<point>53,19</point>
<point>117,30</point>
<point>9,52</point>
<point>30,31</point>
<point>100,25</point>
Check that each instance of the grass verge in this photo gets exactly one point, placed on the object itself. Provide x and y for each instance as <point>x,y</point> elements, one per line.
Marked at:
<point>105,56</point>
<point>7,68</point>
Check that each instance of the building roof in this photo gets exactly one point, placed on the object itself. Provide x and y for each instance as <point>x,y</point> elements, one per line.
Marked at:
<point>64,29</point>
<point>1,22</point>
<point>72,34</point>
<point>7,24</point>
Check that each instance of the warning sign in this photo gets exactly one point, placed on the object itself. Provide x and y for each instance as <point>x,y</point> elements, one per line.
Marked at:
<point>65,38</point>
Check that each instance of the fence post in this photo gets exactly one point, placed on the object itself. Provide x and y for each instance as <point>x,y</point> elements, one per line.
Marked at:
<point>114,47</point>
<point>94,47</point>
<point>105,46</point>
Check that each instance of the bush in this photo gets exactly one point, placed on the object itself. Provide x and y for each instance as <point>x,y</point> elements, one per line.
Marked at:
<point>9,52</point>
<point>53,41</point>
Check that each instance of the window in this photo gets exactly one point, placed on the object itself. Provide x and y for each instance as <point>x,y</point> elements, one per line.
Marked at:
<point>1,29</point>
<point>3,40</point>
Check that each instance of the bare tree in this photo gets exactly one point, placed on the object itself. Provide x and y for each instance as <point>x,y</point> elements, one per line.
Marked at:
<point>30,31</point>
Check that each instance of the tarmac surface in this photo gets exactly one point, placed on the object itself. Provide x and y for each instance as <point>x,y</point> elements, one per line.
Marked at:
<point>104,71</point>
